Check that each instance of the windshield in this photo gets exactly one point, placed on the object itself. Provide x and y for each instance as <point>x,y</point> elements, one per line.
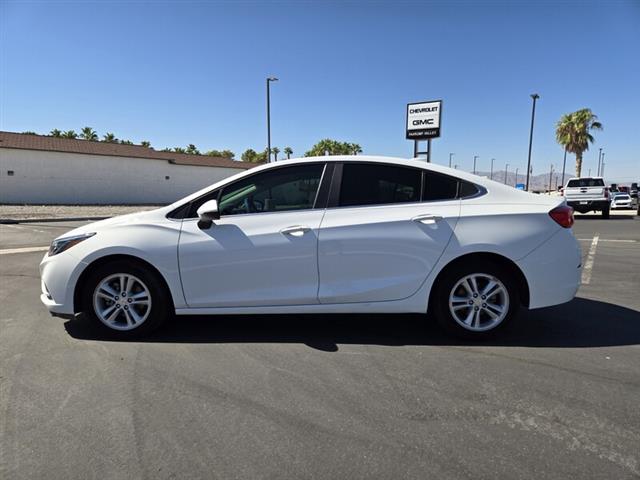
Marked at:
<point>586,182</point>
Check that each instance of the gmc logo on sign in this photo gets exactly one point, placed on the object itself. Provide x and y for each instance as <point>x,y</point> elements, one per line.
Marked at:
<point>428,121</point>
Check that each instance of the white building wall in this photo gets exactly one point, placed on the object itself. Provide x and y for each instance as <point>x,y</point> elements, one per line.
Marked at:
<point>41,177</point>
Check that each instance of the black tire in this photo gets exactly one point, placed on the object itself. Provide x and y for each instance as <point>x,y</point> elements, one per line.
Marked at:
<point>443,289</point>
<point>160,310</point>
<point>605,213</point>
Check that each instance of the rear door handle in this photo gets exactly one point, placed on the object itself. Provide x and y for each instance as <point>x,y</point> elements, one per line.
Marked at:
<point>295,231</point>
<point>427,218</point>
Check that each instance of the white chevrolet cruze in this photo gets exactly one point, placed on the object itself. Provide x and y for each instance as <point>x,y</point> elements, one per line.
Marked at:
<point>323,235</point>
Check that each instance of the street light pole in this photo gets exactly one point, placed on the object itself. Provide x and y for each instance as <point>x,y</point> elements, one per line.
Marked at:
<point>450,156</point>
<point>269,80</point>
<point>491,174</point>
<point>506,169</point>
<point>535,97</point>
<point>475,157</point>
<point>550,178</point>
<point>602,166</point>
<point>517,175</point>
<point>599,157</point>
<point>564,164</point>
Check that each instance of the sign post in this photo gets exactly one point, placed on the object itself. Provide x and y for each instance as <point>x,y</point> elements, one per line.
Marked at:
<point>423,123</point>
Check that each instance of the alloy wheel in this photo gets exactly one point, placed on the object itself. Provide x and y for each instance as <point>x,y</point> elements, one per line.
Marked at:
<point>479,302</point>
<point>122,301</point>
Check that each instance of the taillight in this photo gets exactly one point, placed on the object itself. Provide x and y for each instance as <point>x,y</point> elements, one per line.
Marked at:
<point>563,215</point>
<point>606,193</point>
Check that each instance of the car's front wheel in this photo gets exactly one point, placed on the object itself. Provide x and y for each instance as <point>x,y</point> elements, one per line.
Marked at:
<point>125,299</point>
<point>475,300</point>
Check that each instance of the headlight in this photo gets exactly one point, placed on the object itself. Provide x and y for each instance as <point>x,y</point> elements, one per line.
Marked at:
<point>61,244</point>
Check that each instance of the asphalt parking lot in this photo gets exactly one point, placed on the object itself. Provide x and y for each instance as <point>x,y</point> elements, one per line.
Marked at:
<point>388,396</point>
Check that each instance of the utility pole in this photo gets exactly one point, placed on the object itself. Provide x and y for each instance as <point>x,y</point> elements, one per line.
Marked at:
<point>450,156</point>
<point>550,178</point>
<point>535,97</point>
<point>475,157</point>
<point>506,169</point>
<point>516,176</point>
<point>491,174</point>
<point>269,80</point>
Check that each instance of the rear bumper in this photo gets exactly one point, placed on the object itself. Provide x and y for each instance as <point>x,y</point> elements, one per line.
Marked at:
<point>588,205</point>
<point>553,270</point>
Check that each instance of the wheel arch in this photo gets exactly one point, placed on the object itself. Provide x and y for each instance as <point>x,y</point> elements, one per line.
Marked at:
<point>77,302</point>
<point>504,262</point>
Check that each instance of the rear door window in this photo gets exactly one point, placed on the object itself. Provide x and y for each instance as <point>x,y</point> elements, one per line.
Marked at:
<point>372,184</point>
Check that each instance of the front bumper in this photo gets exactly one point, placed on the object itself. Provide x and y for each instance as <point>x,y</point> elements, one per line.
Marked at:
<point>59,275</point>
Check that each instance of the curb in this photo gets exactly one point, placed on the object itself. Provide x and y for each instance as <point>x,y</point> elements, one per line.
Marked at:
<point>13,221</point>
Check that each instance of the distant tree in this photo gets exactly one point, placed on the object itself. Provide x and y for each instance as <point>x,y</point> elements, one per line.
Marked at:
<point>55,133</point>
<point>218,153</point>
<point>109,138</point>
<point>88,133</point>
<point>355,148</point>
<point>29,132</point>
<point>332,147</point>
<point>126,142</point>
<point>192,149</point>
<point>179,150</point>
<point>275,151</point>
<point>251,156</point>
<point>288,152</point>
<point>145,143</point>
<point>572,132</point>
<point>166,150</point>
<point>70,134</point>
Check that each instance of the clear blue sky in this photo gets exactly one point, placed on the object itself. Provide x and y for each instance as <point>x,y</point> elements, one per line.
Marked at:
<point>179,72</point>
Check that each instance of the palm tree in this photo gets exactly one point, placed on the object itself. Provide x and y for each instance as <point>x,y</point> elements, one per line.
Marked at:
<point>192,149</point>
<point>145,143</point>
<point>288,152</point>
<point>275,151</point>
<point>70,134</point>
<point>55,133</point>
<point>572,132</point>
<point>179,150</point>
<point>89,133</point>
<point>126,142</point>
<point>109,138</point>
<point>355,148</point>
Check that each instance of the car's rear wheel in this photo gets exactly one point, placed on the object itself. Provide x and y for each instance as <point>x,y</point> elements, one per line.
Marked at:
<point>125,300</point>
<point>475,300</point>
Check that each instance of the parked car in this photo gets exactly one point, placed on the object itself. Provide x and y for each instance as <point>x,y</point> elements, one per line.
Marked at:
<point>587,194</point>
<point>323,235</point>
<point>621,200</point>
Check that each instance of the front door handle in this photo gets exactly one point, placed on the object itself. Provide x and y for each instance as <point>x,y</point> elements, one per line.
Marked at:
<point>295,231</point>
<point>427,218</point>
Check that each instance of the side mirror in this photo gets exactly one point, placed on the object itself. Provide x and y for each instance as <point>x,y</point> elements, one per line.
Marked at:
<point>208,212</point>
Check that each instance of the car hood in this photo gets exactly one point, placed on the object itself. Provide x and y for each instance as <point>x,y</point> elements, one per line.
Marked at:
<point>128,219</point>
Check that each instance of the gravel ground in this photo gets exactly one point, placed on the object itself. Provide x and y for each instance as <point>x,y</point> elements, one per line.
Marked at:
<point>25,212</point>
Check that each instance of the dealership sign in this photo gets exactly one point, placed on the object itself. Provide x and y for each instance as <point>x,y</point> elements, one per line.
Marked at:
<point>423,120</point>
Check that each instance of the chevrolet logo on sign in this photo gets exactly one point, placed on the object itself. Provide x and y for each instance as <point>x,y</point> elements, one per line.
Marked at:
<point>423,120</point>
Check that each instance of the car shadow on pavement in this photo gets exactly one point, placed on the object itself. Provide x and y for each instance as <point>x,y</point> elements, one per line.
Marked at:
<point>579,323</point>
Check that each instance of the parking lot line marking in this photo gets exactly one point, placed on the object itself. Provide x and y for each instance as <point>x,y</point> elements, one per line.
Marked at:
<point>608,240</point>
<point>588,265</point>
<point>9,251</point>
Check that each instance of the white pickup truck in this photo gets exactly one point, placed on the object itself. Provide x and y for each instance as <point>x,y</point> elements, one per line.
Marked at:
<point>588,194</point>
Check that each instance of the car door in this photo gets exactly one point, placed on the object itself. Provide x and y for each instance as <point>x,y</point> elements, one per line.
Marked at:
<point>384,229</point>
<point>263,249</point>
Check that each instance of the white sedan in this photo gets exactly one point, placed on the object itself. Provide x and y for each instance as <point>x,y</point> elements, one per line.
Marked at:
<point>323,235</point>
<point>621,200</point>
